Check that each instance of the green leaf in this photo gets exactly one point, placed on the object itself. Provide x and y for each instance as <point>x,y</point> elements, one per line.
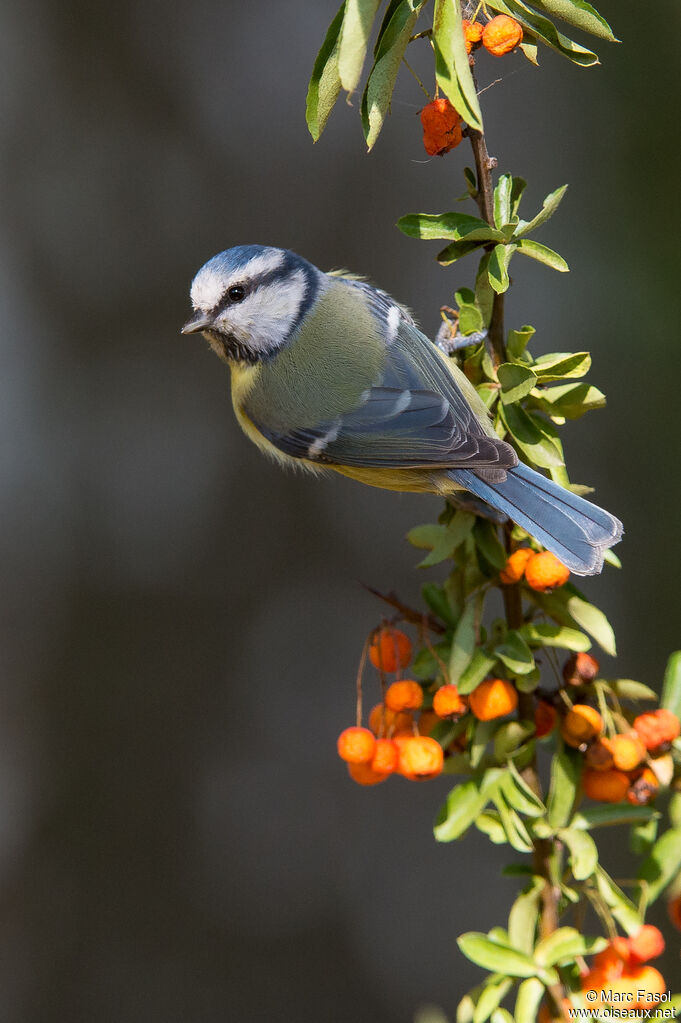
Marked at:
<point>529,48</point>
<point>565,944</point>
<point>487,541</point>
<point>642,837</point>
<point>662,865</point>
<point>628,689</point>
<point>518,341</point>
<point>389,53</point>
<point>519,794</point>
<point>566,770</point>
<point>463,642</point>
<point>515,653</point>
<point>568,401</point>
<point>559,365</point>
<point>509,738</point>
<point>580,14</point>
<point>545,30</point>
<point>538,448</point>
<point>549,207</point>
<point>438,602</point>
<point>542,253</point>
<point>325,83</point>
<point>516,381</point>
<point>442,541</point>
<point>671,687</point>
<point>452,69</point>
<point>492,955</point>
<point>470,317</point>
<point>455,251</point>
<point>516,832</point>
<point>522,920</point>
<point>425,666</point>
<point>501,1015</point>
<point>354,40</point>
<point>608,814</point>
<point>489,823</point>
<point>502,201</point>
<point>497,270</point>
<point>491,995</point>
<point>462,806</point>
<point>528,1000</point>
<point>623,910</point>
<point>479,667</point>
<point>583,852</point>
<point>555,635</point>
<point>569,607</point>
<point>455,226</point>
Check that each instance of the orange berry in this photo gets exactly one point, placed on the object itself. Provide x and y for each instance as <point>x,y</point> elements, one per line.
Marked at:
<point>657,728</point>
<point>364,774</point>
<point>580,669</point>
<point>581,724</point>
<point>441,127</point>
<point>420,757</point>
<point>644,788</point>
<point>390,650</point>
<point>646,944</point>
<point>514,569</point>
<point>447,703</point>
<point>599,755</point>
<point>493,698</point>
<point>405,695</point>
<point>544,718</point>
<point>472,33</point>
<point>674,910</point>
<point>426,722</point>
<point>383,720</point>
<point>627,751</point>
<point>612,961</point>
<point>544,571</point>
<point>386,754</point>
<point>356,745</point>
<point>644,985</point>
<point>605,786</point>
<point>501,35</point>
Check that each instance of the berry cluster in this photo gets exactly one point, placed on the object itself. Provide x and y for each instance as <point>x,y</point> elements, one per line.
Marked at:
<point>542,571</point>
<point>620,973</point>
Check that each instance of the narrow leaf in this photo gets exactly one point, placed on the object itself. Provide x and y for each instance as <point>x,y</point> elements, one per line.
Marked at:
<point>502,200</point>
<point>463,643</point>
<point>671,687</point>
<point>493,956</point>
<point>542,253</point>
<point>583,852</point>
<point>515,653</point>
<point>580,14</point>
<point>566,769</point>
<point>628,689</point>
<point>623,910</point>
<point>491,995</point>
<point>455,251</point>
<point>568,401</point>
<point>549,207</point>
<point>538,448</point>
<point>479,667</point>
<point>528,1000</point>
<point>389,53</point>
<point>497,270</point>
<point>354,40</point>
<point>454,226</point>
<point>564,945</point>
<point>452,69</point>
<point>608,814</point>
<point>560,365</point>
<point>555,635</point>
<point>325,83</point>
<point>522,920</point>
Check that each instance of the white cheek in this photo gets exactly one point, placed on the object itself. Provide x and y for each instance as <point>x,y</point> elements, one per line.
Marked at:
<point>266,315</point>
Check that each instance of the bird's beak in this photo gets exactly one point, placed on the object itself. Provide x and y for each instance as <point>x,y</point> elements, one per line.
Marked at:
<point>196,323</point>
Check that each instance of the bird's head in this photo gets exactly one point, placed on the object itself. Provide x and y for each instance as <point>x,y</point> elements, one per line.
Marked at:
<point>249,300</point>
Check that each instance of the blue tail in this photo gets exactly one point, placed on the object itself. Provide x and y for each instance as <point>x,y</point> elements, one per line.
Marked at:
<point>575,530</point>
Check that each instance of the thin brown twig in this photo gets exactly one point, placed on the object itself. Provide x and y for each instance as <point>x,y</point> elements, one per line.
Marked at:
<point>409,614</point>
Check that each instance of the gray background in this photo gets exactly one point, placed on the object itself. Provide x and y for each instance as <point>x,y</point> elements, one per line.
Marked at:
<point>182,621</point>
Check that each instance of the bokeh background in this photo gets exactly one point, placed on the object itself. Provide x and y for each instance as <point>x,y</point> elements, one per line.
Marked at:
<point>181,621</point>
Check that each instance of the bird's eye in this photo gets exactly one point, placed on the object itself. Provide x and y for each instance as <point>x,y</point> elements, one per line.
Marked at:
<point>237,293</point>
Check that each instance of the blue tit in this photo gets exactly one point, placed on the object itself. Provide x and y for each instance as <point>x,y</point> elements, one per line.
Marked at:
<point>328,372</point>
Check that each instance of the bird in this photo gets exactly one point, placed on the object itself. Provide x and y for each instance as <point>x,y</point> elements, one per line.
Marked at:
<point>329,372</point>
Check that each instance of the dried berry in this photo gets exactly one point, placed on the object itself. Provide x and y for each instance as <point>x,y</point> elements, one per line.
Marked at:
<point>501,35</point>
<point>441,127</point>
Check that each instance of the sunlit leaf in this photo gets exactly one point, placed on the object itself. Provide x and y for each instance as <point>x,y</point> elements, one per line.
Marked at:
<point>566,770</point>
<point>580,14</point>
<point>452,68</point>
<point>516,381</point>
<point>454,226</point>
<point>583,852</point>
<point>549,207</point>
<point>542,254</point>
<point>325,83</point>
<point>671,687</point>
<point>354,40</point>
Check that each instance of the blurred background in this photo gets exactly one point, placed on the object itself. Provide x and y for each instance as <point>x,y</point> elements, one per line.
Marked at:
<point>181,621</point>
